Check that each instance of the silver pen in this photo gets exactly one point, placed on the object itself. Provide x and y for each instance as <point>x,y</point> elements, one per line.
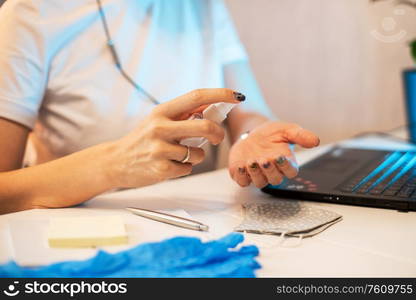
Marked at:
<point>169,219</point>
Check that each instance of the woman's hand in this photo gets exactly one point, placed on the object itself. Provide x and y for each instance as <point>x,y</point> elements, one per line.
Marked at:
<point>152,153</point>
<point>149,154</point>
<point>265,156</point>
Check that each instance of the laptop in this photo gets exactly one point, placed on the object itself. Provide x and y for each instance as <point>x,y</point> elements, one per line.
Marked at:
<point>385,179</point>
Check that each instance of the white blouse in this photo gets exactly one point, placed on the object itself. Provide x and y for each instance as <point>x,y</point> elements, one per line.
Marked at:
<point>56,70</point>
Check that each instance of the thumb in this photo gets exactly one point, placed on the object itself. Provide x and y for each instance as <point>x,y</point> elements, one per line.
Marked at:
<point>302,137</point>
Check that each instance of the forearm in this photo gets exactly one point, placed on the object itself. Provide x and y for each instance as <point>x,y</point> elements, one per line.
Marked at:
<point>254,111</point>
<point>63,182</point>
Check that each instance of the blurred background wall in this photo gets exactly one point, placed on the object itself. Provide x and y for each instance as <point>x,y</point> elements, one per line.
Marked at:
<point>334,66</point>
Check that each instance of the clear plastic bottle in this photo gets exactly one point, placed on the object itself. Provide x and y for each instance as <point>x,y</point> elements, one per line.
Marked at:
<point>215,112</point>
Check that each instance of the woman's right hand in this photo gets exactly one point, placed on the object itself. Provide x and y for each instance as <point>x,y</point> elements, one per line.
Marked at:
<point>152,153</point>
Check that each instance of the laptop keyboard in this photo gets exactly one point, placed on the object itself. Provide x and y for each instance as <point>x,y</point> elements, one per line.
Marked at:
<point>394,175</point>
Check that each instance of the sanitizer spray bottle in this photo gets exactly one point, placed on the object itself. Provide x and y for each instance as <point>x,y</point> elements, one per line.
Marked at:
<point>215,112</point>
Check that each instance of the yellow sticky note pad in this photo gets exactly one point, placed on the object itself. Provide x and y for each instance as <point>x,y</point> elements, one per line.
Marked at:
<point>75,232</point>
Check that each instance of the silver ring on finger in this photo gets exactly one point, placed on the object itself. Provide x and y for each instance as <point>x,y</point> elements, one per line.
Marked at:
<point>187,156</point>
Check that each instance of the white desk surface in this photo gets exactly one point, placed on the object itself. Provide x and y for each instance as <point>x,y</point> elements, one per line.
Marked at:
<point>368,242</point>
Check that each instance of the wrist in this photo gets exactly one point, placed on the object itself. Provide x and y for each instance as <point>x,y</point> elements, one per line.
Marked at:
<point>244,135</point>
<point>108,165</point>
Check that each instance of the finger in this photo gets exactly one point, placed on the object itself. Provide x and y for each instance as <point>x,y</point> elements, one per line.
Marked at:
<point>256,175</point>
<point>272,173</point>
<point>240,175</point>
<point>176,169</point>
<point>166,151</point>
<point>179,153</point>
<point>288,167</point>
<point>196,98</point>
<point>179,130</point>
<point>302,137</point>
<point>195,114</point>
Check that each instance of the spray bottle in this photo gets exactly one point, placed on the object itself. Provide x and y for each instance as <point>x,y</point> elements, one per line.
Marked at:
<point>215,112</point>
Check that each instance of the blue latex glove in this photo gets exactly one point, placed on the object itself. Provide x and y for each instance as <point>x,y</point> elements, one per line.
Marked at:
<point>176,257</point>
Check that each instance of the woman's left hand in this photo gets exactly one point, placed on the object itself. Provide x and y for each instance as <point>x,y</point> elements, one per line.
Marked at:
<point>266,156</point>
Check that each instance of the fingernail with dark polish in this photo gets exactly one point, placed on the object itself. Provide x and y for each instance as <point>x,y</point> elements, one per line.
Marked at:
<point>241,170</point>
<point>281,160</point>
<point>239,96</point>
<point>266,165</point>
<point>253,166</point>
